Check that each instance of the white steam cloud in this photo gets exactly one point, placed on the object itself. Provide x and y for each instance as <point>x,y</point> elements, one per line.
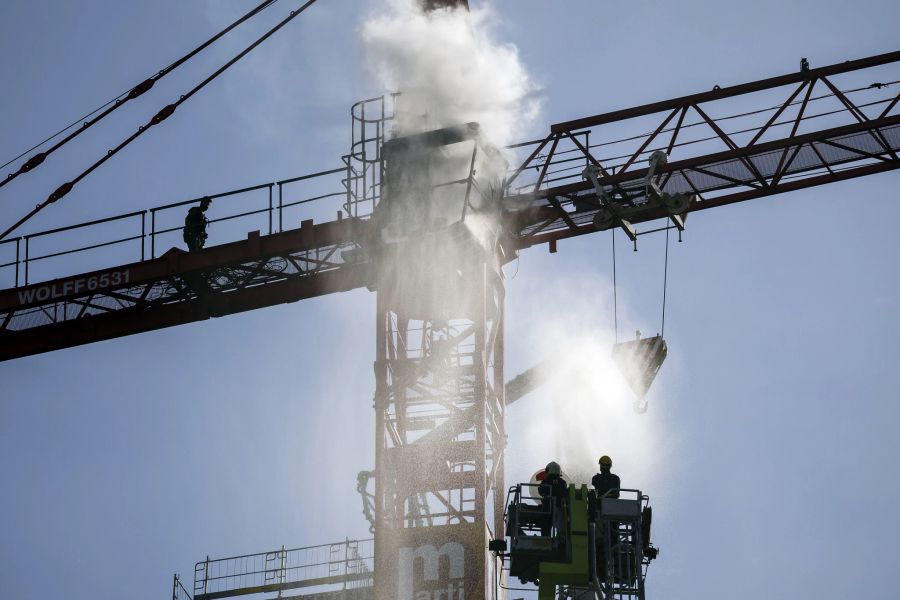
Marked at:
<point>586,410</point>
<point>449,69</point>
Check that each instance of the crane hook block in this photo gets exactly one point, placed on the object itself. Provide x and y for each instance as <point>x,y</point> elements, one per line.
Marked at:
<point>639,361</point>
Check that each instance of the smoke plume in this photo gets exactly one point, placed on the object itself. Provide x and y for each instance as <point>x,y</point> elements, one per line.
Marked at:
<point>449,69</point>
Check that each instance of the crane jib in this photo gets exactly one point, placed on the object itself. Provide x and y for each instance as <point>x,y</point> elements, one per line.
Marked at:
<point>547,199</point>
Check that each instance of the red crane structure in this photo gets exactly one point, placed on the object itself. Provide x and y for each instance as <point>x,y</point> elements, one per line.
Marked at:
<point>286,263</point>
<point>440,402</point>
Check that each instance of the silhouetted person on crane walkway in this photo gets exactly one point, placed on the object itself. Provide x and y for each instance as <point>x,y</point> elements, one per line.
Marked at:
<point>195,224</point>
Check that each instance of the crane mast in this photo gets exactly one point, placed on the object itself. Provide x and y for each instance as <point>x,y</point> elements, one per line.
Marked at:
<point>439,402</point>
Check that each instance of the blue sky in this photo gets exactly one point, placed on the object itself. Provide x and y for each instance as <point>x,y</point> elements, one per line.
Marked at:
<point>773,422</point>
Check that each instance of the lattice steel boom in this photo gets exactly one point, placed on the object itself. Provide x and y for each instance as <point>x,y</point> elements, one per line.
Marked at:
<point>789,145</point>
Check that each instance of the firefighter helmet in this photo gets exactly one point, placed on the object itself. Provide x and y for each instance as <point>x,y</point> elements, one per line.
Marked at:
<point>605,461</point>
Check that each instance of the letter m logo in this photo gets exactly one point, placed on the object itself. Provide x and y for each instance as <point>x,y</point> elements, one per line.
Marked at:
<point>431,562</point>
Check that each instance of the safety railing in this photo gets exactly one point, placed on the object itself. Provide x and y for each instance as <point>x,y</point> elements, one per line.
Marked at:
<point>525,495</point>
<point>370,120</point>
<point>623,557</point>
<point>179,592</point>
<point>147,234</point>
<point>347,564</point>
<point>30,250</point>
<point>630,494</point>
<point>10,262</point>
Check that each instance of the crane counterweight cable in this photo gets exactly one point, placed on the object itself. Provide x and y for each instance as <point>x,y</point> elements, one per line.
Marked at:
<point>135,92</point>
<point>159,117</point>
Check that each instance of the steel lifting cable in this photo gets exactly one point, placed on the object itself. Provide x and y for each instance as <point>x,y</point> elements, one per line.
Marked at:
<point>158,118</point>
<point>138,90</point>
<point>666,259</point>
<point>662,329</point>
<point>615,289</point>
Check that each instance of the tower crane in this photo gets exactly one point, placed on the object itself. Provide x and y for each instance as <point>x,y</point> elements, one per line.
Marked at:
<point>440,400</point>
